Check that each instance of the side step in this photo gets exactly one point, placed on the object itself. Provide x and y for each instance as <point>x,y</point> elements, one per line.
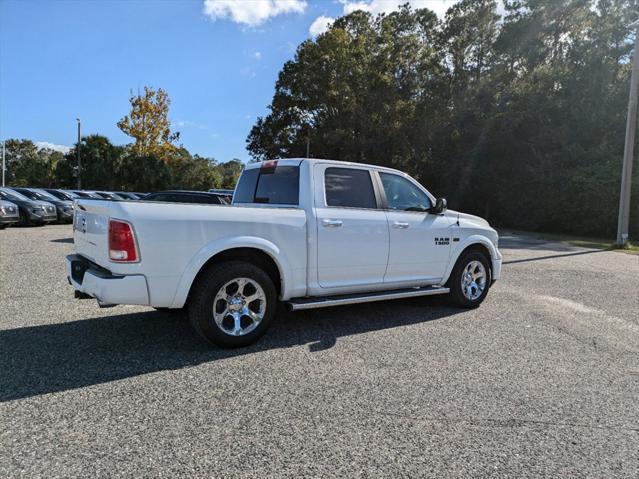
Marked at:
<point>326,301</point>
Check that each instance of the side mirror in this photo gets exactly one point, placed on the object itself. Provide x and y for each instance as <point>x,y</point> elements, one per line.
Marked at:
<point>440,206</point>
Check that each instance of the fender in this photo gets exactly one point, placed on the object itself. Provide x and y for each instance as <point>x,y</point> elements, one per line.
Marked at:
<point>223,244</point>
<point>469,241</point>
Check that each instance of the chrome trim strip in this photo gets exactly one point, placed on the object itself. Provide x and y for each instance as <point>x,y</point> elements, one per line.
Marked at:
<point>368,298</point>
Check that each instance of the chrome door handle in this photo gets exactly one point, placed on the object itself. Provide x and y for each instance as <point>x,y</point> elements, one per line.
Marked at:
<point>400,225</point>
<point>332,223</point>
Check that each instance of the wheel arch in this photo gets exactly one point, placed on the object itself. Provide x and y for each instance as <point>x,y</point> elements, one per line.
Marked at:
<point>254,250</point>
<point>472,243</point>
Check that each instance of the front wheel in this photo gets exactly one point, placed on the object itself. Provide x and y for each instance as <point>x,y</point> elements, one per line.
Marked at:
<point>470,280</point>
<point>24,219</point>
<point>232,304</point>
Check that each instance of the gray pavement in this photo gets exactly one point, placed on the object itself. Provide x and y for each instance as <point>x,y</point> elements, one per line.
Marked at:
<point>541,381</point>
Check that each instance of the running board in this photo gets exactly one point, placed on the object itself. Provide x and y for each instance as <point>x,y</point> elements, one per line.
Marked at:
<point>326,301</point>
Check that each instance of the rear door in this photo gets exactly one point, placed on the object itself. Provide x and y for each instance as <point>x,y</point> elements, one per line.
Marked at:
<point>352,232</point>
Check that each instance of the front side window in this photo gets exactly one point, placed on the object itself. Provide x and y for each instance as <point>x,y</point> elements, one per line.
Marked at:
<point>402,194</point>
<point>349,188</point>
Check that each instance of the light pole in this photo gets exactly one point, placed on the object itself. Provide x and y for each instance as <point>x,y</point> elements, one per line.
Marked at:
<point>77,150</point>
<point>628,152</point>
<point>3,167</point>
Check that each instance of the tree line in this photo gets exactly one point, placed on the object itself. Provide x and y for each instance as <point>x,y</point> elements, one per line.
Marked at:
<point>151,162</point>
<point>519,118</point>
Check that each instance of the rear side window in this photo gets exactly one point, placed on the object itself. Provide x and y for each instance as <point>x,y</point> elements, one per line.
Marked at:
<point>349,188</point>
<point>275,186</point>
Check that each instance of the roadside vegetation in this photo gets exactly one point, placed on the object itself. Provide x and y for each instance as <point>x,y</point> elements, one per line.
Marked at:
<point>153,161</point>
<point>519,119</point>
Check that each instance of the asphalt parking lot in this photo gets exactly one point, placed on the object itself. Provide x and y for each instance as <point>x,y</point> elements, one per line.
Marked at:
<point>541,381</point>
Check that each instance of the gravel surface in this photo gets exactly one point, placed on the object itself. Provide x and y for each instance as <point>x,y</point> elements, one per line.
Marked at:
<point>541,381</point>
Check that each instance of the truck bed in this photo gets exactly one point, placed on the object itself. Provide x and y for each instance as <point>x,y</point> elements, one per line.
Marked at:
<point>175,239</point>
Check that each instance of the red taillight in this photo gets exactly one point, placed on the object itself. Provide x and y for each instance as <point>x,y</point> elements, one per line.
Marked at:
<point>122,242</point>
<point>268,166</point>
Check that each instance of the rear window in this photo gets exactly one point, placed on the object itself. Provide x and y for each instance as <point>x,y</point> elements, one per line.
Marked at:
<point>349,188</point>
<point>275,186</point>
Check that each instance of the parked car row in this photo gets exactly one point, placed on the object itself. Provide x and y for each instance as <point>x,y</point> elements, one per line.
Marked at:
<point>40,206</point>
<point>30,211</point>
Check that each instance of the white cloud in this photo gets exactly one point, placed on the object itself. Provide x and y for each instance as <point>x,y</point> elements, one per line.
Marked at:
<point>251,12</point>
<point>52,146</point>
<point>376,7</point>
<point>257,55</point>
<point>320,25</point>
<point>387,6</point>
<point>191,124</point>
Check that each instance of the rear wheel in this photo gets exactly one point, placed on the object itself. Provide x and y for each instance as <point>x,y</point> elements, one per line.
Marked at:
<point>232,304</point>
<point>470,280</point>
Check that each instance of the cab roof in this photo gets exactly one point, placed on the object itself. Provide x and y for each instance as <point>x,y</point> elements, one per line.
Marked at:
<point>298,161</point>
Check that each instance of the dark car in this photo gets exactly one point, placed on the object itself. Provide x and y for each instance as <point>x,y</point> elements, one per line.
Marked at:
<point>126,195</point>
<point>64,207</point>
<point>226,194</point>
<point>32,212</point>
<point>108,195</point>
<point>8,214</point>
<point>178,196</point>
<point>62,194</point>
<point>85,194</point>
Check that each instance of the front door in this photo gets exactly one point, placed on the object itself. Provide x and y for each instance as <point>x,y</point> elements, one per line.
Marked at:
<point>419,241</point>
<point>352,232</point>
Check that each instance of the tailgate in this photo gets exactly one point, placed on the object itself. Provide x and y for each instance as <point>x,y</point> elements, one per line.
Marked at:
<point>90,229</point>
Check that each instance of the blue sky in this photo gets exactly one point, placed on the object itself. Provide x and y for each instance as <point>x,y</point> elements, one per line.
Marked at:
<point>217,59</point>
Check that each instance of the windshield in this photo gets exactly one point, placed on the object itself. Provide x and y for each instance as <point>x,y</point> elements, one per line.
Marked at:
<point>11,193</point>
<point>43,195</point>
<point>61,195</point>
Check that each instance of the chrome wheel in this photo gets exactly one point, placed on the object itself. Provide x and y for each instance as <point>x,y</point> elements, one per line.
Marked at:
<point>239,306</point>
<point>473,280</point>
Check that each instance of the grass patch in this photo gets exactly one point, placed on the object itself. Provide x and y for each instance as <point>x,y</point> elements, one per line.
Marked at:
<point>595,243</point>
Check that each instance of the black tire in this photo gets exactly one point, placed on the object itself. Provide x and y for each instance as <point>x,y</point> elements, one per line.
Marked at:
<point>209,284</point>
<point>24,221</point>
<point>456,295</point>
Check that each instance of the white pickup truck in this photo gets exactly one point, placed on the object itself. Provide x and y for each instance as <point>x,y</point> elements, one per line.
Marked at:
<point>311,233</point>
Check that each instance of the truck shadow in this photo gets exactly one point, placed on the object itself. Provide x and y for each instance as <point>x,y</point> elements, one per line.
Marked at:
<point>58,357</point>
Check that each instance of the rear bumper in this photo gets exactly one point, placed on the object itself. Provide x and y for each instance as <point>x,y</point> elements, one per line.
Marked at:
<point>107,288</point>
